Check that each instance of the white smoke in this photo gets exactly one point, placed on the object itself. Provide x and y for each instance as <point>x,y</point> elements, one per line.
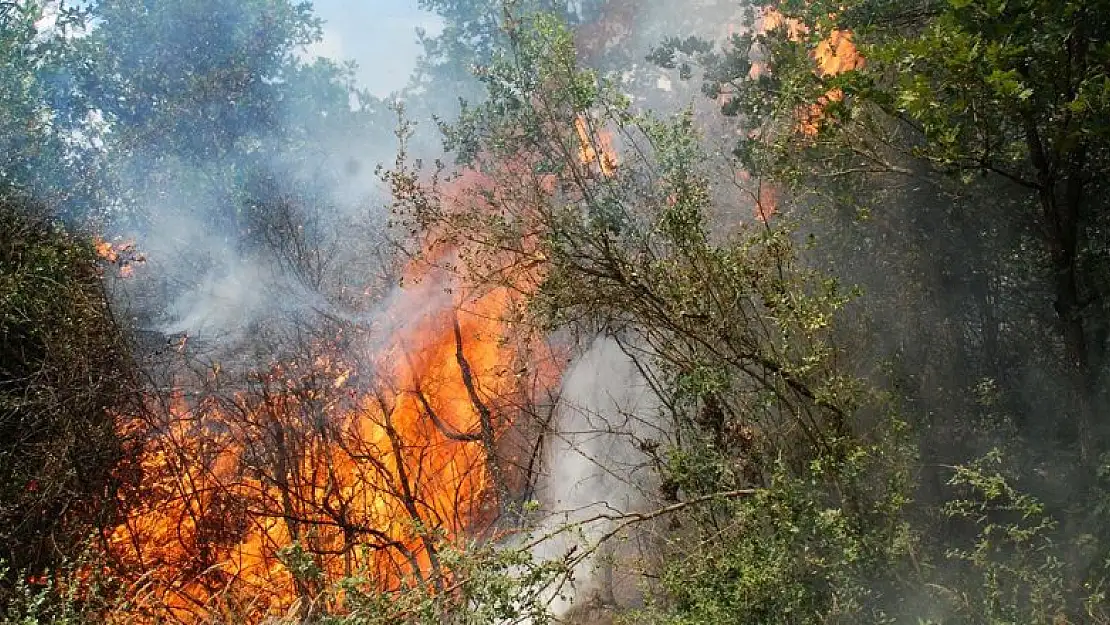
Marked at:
<point>596,471</point>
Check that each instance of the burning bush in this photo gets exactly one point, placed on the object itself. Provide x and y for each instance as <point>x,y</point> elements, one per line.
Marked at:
<point>368,450</point>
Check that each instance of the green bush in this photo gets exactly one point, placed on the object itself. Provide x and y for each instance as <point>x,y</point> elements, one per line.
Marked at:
<point>65,375</point>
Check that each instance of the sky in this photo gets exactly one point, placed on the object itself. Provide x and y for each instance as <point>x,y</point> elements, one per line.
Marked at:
<point>378,34</point>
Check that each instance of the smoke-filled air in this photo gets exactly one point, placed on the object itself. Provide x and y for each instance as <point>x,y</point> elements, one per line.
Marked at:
<point>527,312</point>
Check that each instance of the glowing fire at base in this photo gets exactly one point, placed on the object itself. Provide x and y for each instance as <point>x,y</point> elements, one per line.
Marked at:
<point>359,477</point>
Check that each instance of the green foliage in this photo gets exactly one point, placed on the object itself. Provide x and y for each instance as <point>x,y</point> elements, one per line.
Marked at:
<point>194,78</point>
<point>65,375</point>
<point>970,145</point>
<point>1022,578</point>
<point>787,554</point>
<point>74,593</point>
<point>786,474</point>
<point>983,77</point>
<point>214,99</point>
<point>480,585</point>
<point>473,584</point>
<point>474,34</point>
<point>41,114</point>
<point>734,330</point>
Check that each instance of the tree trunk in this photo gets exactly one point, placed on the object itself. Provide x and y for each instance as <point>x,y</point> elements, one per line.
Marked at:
<point>1061,195</point>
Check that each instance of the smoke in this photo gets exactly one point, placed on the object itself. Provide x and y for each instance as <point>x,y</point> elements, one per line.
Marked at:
<point>276,231</point>
<point>241,165</point>
<point>292,238</point>
<point>596,471</point>
<point>270,236</point>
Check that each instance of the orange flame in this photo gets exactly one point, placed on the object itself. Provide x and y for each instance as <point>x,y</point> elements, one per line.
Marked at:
<point>407,457</point>
<point>106,250</point>
<point>835,54</point>
<point>359,466</point>
<point>771,19</point>
<point>597,148</point>
<point>123,255</point>
<point>766,202</point>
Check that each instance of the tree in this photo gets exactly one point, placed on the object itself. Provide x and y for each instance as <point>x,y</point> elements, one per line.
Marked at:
<point>46,132</point>
<point>473,37</point>
<point>1009,92</point>
<point>760,426</point>
<point>194,79</point>
<point>949,162</point>
<point>1017,91</point>
<point>210,98</point>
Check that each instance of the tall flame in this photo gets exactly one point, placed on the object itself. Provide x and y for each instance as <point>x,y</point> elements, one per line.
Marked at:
<point>359,473</point>
<point>362,467</point>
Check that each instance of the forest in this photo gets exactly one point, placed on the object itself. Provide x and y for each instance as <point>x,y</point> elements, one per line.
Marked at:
<point>621,312</point>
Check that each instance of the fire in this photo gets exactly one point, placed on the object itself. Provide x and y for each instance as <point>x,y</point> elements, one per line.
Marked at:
<point>766,202</point>
<point>835,54</point>
<point>596,147</point>
<point>123,255</point>
<point>357,476</point>
<point>106,250</point>
<point>764,195</point>
<point>772,19</point>
<point>365,467</point>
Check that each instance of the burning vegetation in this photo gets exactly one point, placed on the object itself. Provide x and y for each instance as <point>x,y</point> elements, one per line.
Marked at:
<point>367,454</point>
<point>834,54</point>
<point>596,148</point>
<point>367,469</point>
<point>123,255</point>
<point>609,363</point>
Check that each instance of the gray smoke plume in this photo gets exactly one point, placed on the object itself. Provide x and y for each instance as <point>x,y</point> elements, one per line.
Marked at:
<point>596,471</point>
